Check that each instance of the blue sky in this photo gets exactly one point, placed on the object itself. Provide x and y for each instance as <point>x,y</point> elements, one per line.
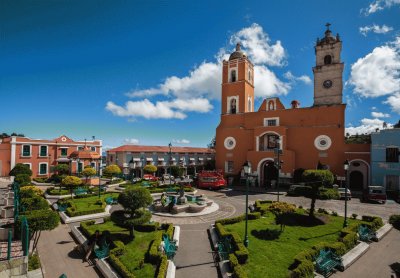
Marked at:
<point>148,72</point>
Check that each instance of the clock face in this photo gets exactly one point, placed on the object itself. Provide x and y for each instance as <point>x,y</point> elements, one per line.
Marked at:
<point>327,84</point>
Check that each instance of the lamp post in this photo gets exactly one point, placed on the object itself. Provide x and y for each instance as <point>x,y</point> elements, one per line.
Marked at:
<point>247,171</point>
<point>346,167</point>
<point>278,163</point>
<point>169,162</point>
<point>131,168</point>
<point>142,159</point>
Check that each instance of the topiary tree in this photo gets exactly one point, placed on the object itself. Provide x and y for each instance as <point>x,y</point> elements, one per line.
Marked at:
<point>61,169</point>
<point>150,169</point>
<point>298,175</point>
<point>177,171</point>
<point>135,200</point>
<point>89,171</point>
<point>29,191</point>
<point>19,169</point>
<point>316,179</point>
<point>71,182</point>
<point>23,179</point>
<point>112,170</point>
<point>282,212</point>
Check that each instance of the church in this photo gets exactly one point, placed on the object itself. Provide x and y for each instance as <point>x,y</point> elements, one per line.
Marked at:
<point>302,137</point>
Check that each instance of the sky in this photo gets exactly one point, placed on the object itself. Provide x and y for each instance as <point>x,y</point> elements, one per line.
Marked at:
<point>149,72</point>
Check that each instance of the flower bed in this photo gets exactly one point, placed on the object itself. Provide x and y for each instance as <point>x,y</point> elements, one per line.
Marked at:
<point>84,205</point>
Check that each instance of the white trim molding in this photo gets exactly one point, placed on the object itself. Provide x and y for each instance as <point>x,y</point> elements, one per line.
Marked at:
<point>272,118</point>
<point>228,104</point>
<point>47,168</point>
<point>40,151</point>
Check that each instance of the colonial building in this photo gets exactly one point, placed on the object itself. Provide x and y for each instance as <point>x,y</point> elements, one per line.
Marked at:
<point>132,158</point>
<point>40,154</point>
<point>303,137</point>
<point>385,163</point>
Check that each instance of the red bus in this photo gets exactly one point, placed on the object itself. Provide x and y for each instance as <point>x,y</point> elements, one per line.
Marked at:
<point>211,180</point>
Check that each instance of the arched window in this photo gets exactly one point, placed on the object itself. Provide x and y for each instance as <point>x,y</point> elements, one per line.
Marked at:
<point>233,106</point>
<point>328,60</point>
<point>249,104</point>
<point>233,76</point>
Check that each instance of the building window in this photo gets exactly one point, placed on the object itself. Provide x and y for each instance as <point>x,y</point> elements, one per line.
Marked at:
<point>233,106</point>
<point>233,76</point>
<point>26,150</point>
<point>43,151</point>
<point>93,164</point>
<point>93,149</point>
<point>64,152</point>
<point>271,121</point>
<point>229,167</point>
<point>249,105</point>
<point>80,167</point>
<point>392,155</point>
<point>80,148</point>
<point>328,60</point>
<point>43,169</point>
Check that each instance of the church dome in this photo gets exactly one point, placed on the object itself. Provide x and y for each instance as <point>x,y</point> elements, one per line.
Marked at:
<point>237,54</point>
<point>328,38</point>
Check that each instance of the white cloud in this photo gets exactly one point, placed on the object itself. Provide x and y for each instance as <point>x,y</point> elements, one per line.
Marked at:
<point>267,84</point>
<point>375,29</point>
<point>378,74</point>
<point>379,115</point>
<point>131,141</point>
<point>379,5</point>
<point>161,109</point>
<point>304,78</point>
<point>367,126</point>
<point>258,46</point>
<point>181,141</point>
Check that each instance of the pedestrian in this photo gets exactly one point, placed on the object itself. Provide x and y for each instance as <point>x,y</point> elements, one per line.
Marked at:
<point>93,240</point>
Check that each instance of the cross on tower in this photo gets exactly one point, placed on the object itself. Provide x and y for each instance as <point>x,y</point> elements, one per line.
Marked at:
<point>327,26</point>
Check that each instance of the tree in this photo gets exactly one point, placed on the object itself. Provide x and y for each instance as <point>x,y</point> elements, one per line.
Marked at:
<point>23,179</point>
<point>112,170</point>
<point>135,200</point>
<point>29,191</point>
<point>34,203</point>
<point>177,171</point>
<point>151,169</point>
<point>61,169</point>
<point>20,168</point>
<point>38,221</point>
<point>397,125</point>
<point>317,179</point>
<point>282,212</point>
<point>88,172</point>
<point>71,182</point>
<point>212,143</point>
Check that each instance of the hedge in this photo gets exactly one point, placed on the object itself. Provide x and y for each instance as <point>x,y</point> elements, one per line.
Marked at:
<point>71,212</point>
<point>241,251</point>
<point>119,249</point>
<point>374,222</point>
<point>120,267</point>
<point>162,269</point>
<point>232,220</point>
<point>150,227</point>
<point>304,269</point>
<point>238,272</point>
<point>261,207</point>
<point>395,220</point>
<point>84,227</point>
<point>153,255</point>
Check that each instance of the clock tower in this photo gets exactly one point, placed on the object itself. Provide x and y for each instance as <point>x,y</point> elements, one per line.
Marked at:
<point>328,71</point>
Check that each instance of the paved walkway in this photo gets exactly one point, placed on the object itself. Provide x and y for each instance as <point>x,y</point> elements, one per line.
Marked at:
<point>57,254</point>
<point>378,260</point>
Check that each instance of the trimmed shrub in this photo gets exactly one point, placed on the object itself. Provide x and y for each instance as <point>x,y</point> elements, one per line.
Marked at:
<point>34,203</point>
<point>281,207</point>
<point>319,176</point>
<point>163,267</point>
<point>232,220</point>
<point>84,227</point>
<point>238,272</point>
<point>301,190</point>
<point>395,220</point>
<point>233,261</point>
<point>322,210</point>
<point>328,193</point>
<point>153,255</point>
<point>120,267</point>
<point>241,253</point>
<point>151,227</point>
<point>71,211</point>
<point>33,262</point>
<point>221,230</point>
<point>254,215</point>
<point>304,269</point>
<point>375,221</point>
<point>119,249</point>
<point>23,179</point>
<point>354,216</point>
<point>334,213</point>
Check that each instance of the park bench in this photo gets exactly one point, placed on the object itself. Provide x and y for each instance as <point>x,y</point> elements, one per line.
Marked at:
<point>62,207</point>
<point>365,233</point>
<point>80,191</point>
<point>170,190</point>
<point>111,201</point>
<point>224,248</point>
<point>146,184</point>
<point>103,250</point>
<point>169,247</point>
<point>326,261</point>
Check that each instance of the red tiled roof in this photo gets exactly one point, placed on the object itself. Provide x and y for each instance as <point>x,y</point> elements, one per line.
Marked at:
<point>160,149</point>
<point>85,154</point>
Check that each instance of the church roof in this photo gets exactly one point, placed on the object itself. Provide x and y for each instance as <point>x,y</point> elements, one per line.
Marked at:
<point>237,54</point>
<point>328,38</point>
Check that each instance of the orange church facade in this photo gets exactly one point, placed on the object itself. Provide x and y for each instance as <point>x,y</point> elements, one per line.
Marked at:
<point>303,136</point>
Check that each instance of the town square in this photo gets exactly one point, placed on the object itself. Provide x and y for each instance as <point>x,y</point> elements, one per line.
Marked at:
<point>200,139</point>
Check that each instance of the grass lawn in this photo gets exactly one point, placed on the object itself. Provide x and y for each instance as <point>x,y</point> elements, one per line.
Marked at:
<point>272,258</point>
<point>90,203</point>
<point>135,250</point>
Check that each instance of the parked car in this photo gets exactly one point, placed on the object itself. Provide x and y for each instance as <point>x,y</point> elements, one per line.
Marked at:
<point>374,193</point>
<point>342,193</point>
<point>167,177</point>
<point>135,180</point>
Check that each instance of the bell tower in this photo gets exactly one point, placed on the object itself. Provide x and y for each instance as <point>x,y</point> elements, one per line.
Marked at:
<point>237,84</point>
<point>328,71</point>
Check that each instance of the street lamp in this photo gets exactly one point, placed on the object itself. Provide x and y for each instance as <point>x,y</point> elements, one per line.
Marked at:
<point>346,167</point>
<point>278,163</point>
<point>247,172</point>
<point>169,162</point>
<point>142,159</point>
<point>131,168</point>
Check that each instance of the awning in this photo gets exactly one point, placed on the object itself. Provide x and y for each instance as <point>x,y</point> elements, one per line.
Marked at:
<point>63,159</point>
<point>209,158</point>
<point>161,159</point>
<point>136,159</point>
<point>173,159</point>
<point>149,159</point>
<point>182,159</point>
<point>191,159</point>
<point>201,159</point>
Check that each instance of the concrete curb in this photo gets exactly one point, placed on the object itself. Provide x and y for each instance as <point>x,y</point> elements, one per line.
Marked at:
<point>47,196</point>
<point>37,273</point>
<point>177,233</point>
<point>383,231</point>
<point>171,270</point>
<point>224,266</point>
<point>66,219</point>
<point>354,254</point>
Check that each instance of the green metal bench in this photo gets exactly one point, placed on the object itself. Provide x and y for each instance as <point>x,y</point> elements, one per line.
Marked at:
<point>103,250</point>
<point>111,201</point>
<point>146,184</point>
<point>169,247</point>
<point>326,261</point>
<point>80,191</point>
<point>365,233</point>
<point>224,248</point>
<point>62,207</point>
<point>170,190</point>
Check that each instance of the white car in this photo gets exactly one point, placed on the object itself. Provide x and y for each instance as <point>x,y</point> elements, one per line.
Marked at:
<point>342,193</point>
